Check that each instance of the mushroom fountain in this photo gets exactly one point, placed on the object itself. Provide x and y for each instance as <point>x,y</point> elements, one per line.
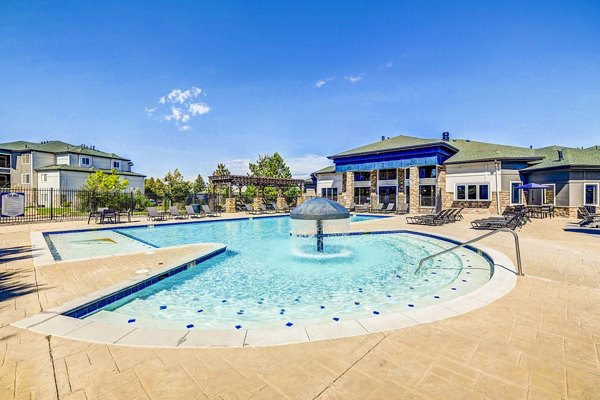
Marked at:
<point>319,210</point>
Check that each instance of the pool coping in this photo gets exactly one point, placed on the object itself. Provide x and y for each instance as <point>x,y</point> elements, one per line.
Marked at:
<point>54,322</point>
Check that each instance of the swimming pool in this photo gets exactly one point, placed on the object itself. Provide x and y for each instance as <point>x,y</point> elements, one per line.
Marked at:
<point>268,279</point>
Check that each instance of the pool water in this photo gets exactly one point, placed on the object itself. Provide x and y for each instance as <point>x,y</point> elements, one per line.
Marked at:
<point>267,278</point>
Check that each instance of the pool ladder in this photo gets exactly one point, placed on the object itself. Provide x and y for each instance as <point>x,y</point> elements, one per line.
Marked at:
<point>458,246</point>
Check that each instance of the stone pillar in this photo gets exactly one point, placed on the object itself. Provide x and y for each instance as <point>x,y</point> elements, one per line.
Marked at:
<point>230,205</point>
<point>281,200</point>
<point>400,196</point>
<point>440,200</point>
<point>373,189</point>
<point>347,197</point>
<point>414,190</point>
<point>256,203</point>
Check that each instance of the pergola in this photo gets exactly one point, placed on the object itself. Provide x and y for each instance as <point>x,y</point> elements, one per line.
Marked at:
<point>240,181</point>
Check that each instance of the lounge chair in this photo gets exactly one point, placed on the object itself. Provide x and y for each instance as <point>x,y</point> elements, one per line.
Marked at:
<point>279,209</point>
<point>193,214</point>
<point>208,212</point>
<point>514,222</point>
<point>379,208</point>
<point>250,209</point>
<point>391,207</point>
<point>587,217</point>
<point>402,209</point>
<point>174,213</point>
<point>265,210</point>
<point>429,219</point>
<point>155,215</point>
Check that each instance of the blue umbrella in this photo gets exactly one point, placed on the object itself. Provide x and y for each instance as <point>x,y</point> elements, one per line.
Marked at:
<point>532,186</point>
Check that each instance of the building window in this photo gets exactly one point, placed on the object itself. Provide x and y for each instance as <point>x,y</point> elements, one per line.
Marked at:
<point>43,177</point>
<point>427,195</point>
<point>25,179</point>
<point>427,172</point>
<point>25,158</point>
<point>117,164</point>
<point>472,192</point>
<point>388,174</point>
<point>362,177</point>
<point>387,194</point>
<point>3,180</point>
<point>4,161</point>
<point>362,195</point>
<point>550,194</point>
<point>329,193</point>
<point>85,161</point>
<point>591,194</point>
<point>516,195</point>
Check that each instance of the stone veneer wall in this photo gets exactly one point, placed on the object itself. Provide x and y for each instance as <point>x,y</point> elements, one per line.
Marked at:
<point>565,212</point>
<point>347,197</point>
<point>373,190</point>
<point>440,188</point>
<point>230,205</point>
<point>401,196</point>
<point>414,190</point>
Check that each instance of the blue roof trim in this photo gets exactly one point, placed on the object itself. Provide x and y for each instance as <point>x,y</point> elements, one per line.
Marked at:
<point>397,159</point>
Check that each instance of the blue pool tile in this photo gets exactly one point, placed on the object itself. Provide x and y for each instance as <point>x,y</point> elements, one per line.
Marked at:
<point>336,319</point>
<point>411,288</point>
<point>411,305</point>
<point>389,296</point>
<point>322,307</point>
<point>356,302</point>
<point>289,324</point>
<point>131,321</point>
<point>260,302</point>
<point>223,301</point>
<point>238,327</point>
<point>464,280</point>
<point>453,288</point>
<point>376,312</point>
<point>436,297</point>
<point>163,307</point>
<point>189,326</point>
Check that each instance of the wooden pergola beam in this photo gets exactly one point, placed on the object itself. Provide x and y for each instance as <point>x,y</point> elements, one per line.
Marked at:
<point>244,180</point>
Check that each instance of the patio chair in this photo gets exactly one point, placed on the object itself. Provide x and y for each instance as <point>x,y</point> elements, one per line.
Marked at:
<point>96,214</point>
<point>402,209</point>
<point>108,216</point>
<point>193,214</point>
<point>155,215</point>
<point>126,213</point>
<point>209,212</point>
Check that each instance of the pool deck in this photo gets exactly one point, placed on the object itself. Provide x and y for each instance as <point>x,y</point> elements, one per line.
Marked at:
<point>542,340</point>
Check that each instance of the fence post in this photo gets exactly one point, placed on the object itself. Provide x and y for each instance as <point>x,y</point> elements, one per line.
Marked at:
<point>131,203</point>
<point>51,203</point>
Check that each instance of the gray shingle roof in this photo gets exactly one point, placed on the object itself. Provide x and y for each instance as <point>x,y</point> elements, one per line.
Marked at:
<point>64,167</point>
<point>57,147</point>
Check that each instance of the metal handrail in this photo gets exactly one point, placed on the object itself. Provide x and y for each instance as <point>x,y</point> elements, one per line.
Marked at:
<point>458,246</point>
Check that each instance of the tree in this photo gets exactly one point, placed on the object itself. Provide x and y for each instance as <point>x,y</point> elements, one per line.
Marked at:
<point>199,185</point>
<point>154,188</point>
<point>221,170</point>
<point>177,189</point>
<point>100,180</point>
<point>272,166</point>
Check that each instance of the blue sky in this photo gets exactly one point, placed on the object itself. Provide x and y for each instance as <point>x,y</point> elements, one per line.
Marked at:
<point>307,79</point>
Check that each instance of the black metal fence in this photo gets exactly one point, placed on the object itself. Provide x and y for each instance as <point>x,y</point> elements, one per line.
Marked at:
<point>48,204</point>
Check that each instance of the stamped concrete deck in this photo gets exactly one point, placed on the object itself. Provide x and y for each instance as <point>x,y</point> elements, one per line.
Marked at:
<point>542,340</point>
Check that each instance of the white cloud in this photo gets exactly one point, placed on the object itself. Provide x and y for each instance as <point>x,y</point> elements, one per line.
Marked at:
<point>354,78</point>
<point>321,82</point>
<point>387,65</point>
<point>303,166</point>
<point>239,166</point>
<point>179,106</point>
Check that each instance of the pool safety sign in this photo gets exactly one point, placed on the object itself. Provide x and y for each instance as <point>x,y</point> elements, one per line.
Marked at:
<point>12,204</point>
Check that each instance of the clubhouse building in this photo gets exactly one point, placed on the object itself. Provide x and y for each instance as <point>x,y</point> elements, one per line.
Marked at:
<point>433,174</point>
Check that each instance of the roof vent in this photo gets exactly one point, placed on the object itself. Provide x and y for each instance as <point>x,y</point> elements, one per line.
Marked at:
<point>446,136</point>
<point>382,138</point>
<point>561,155</point>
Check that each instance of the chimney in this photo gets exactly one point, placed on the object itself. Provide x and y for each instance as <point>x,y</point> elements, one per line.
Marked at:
<point>560,155</point>
<point>382,138</point>
<point>446,136</point>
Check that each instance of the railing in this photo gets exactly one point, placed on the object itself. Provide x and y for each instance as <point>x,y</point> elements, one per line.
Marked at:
<point>458,246</point>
